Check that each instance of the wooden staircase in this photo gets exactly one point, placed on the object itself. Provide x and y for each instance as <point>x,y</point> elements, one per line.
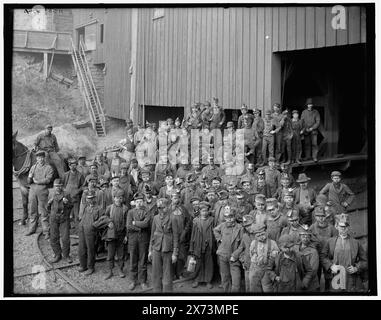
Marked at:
<point>88,90</point>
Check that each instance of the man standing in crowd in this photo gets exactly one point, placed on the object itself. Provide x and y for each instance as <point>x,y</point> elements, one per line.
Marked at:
<point>47,142</point>
<point>40,176</point>
<point>310,125</point>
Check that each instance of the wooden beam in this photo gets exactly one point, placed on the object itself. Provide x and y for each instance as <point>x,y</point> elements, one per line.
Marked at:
<point>134,38</point>
<point>45,68</point>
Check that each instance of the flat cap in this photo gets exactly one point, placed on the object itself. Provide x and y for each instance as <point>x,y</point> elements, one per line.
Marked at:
<point>40,153</point>
<point>336,173</point>
<point>204,204</point>
<point>247,220</point>
<point>305,230</point>
<point>295,111</point>
<point>271,202</point>
<point>92,177</point>
<point>119,193</point>
<point>48,126</point>
<point>57,182</point>
<point>286,241</point>
<point>319,211</point>
<point>260,198</point>
<point>138,195</point>
<point>271,159</point>
<point>72,161</point>
<point>195,198</point>
<point>124,165</point>
<point>259,228</point>
<point>162,203</point>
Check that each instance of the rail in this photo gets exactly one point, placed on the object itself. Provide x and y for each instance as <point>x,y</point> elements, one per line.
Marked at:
<point>88,72</point>
<point>83,87</point>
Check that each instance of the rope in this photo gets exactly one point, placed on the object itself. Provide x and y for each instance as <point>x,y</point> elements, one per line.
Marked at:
<point>26,165</point>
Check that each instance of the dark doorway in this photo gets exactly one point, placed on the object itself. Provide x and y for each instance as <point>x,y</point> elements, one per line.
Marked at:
<point>80,36</point>
<point>154,114</point>
<point>335,79</point>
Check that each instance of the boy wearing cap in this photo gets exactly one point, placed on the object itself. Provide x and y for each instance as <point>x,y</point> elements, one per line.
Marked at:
<point>306,248</point>
<point>211,170</point>
<point>345,251</point>
<point>272,175</point>
<point>146,180</point>
<point>286,133</point>
<point>47,142</point>
<point>339,193</point>
<point>82,167</point>
<point>92,187</point>
<point>93,173</point>
<point>149,200</point>
<point>39,177</point>
<point>126,181</point>
<point>243,206</point>
<point>116,233</point>
<point>321,231</point>
<point>243,252</point>
<point>229,236</point>
<point>87,232</point>
<point>261,250</point>
<point>218,117</point>
<point>284,188</point>
<point>59,208</point>
<point>182,219</point>
<point>73,181</point>
<point>305,199</point>
<point>261,186</point>
<point>277,117</point>
<point>293,228</point>
<point>296,142</point>
<point>289,271</point>
<point>167,190</point>
<point>138,225</point>
<point>288,204</point>
<point>310,124</point>
<point>134,171</point>
<point>195,204</point>
<point>163,247</point>
<point>259,213</point>
<point>102,167</point>
<point>245,114</point>
<point>275,221</point>
<point>248,191</point>
<point>268,137</point>
<point>201,246</point>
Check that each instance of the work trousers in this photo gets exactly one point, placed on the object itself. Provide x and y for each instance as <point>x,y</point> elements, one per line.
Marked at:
<point>259,281</point>
<point>286,149</point>
<point>278,145</point>
<point>38,200</point>
<point>86,247</point>
<point>60,230</point>
<point>58,163</point>
<point>115,247</point>
<point>162,275</point>
<point>230,274</point>
<point>296,146</point>
<point>267,143</point>
<point>138,246</point>
<point>75,214</point>
<point>310,141</point>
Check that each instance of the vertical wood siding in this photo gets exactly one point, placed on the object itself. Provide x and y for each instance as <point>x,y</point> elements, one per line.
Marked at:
<point>193,54</point>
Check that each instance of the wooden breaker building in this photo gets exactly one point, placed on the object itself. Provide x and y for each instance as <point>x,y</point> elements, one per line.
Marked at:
<point>152,63</point>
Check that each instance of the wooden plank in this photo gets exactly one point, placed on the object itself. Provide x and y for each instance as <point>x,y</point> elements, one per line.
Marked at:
<point>261,57</point>
<point>196,96</point>
<point>209,62</point>
<point>220,55</point>
<point>226,59</point>
<point>253,56</point>
<point>342,34</point>
<point>268,55</point>
<point>330,32</point>
<point>300,28</point>
<point>181,75</point>
<point>246,58</point>
<point>320,27</point>
<point>203,50</point>
<point>172,42</point>
<point>282,28</point>
<point>291,28</point>
<point>239,57</point>
<point>189,57</point>
<point>232,60</point>
<point>363,24</point>
<point>310,27</point>
<point>155,69</point>
<point>275,32</point>
<point>167,51</point>
<point>214,53</point>
<point>354,24</point>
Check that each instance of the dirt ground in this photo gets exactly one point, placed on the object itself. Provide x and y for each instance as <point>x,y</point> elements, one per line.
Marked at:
<point>26,257</point>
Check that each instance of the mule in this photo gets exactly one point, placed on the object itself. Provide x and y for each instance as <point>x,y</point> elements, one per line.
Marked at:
<point>22,159</point>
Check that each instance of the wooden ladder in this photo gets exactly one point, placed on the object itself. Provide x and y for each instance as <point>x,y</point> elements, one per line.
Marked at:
<point>88,90</point>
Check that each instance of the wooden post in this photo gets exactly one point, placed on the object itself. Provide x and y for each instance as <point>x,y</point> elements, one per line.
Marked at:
<point>45,68</point>
<point>276,79</point>
<point>134,39</point>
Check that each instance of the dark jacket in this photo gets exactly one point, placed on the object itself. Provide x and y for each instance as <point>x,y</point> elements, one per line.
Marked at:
<point>201,243</point>
<point>227,249</point>
<point>57,208</point>
<point>75,187</point>
<point>164,234</point>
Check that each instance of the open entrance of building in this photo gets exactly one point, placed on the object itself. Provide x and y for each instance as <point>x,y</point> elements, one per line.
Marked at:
<point>154,114</point>
<point>335,78</point>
